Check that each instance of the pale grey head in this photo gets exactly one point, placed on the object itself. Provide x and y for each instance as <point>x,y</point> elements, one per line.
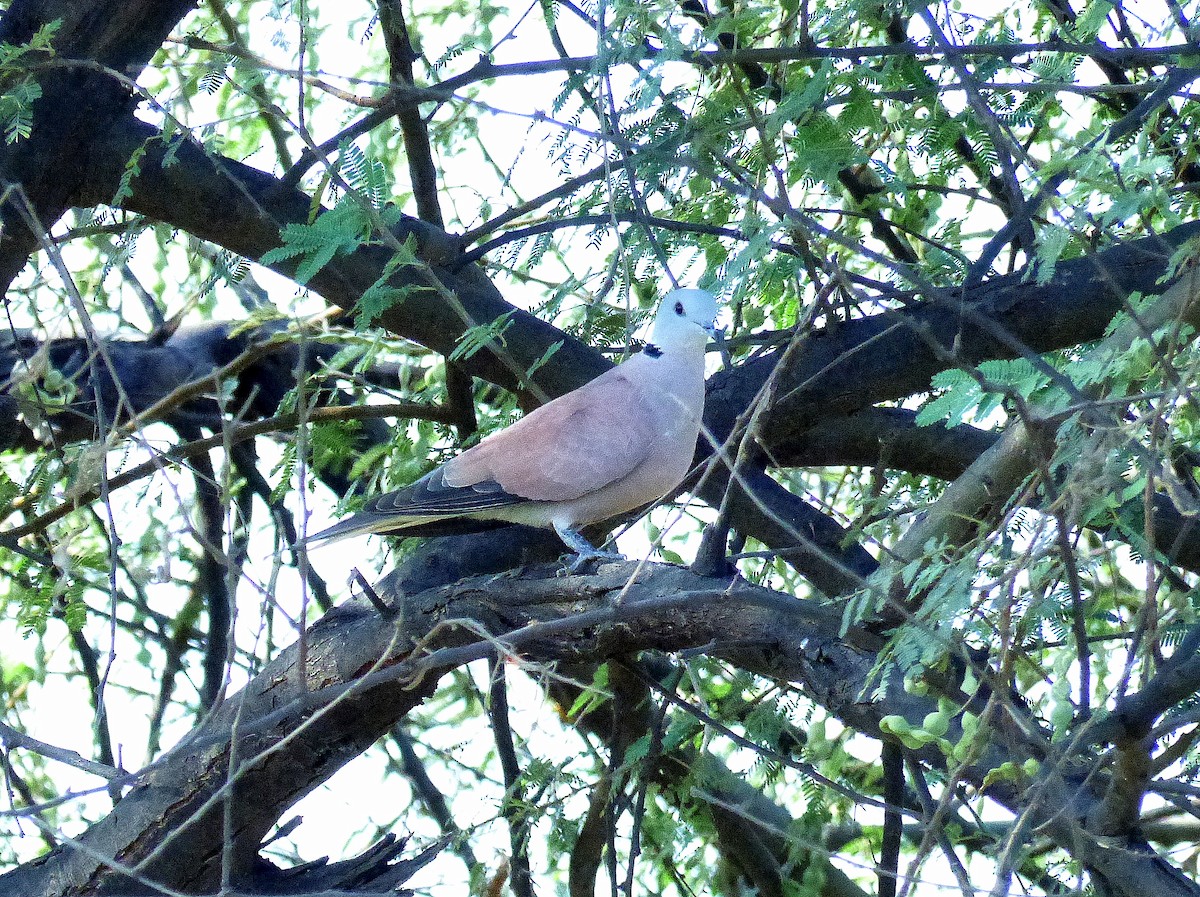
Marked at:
<point>685,318</point>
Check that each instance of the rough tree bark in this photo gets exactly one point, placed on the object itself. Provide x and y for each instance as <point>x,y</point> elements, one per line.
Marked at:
<point>291,728</point>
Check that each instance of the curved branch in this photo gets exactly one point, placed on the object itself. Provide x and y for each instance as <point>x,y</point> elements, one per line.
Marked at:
<point>47,166</point>
<point>854,364</point>
<point>244,210</point>
<point>889,438</point>
<point>296,727</point>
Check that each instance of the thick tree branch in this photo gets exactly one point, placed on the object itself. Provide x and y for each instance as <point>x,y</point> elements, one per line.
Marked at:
<point>889,438</point>
<point>297,727</point>
<point>244,210</point>
<point>75,104</point>
<point>854,364</point>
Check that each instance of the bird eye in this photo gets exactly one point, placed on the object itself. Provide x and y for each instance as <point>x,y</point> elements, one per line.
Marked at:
<point>678,308</point>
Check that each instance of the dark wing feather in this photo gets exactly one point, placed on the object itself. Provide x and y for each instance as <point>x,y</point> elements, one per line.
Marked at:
<point>430,495</point>
<point>418,504</point>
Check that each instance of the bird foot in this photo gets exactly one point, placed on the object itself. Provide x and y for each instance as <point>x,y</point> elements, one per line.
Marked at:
<point>584,558</point>
<point>585,551</point>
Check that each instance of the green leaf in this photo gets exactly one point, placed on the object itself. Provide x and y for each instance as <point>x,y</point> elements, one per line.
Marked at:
<point>340,230</point>
<point>592,697</point>
<point>546,356</point>
<point>963,395</point>
<point>1052,240</point>
<point>481,335</point>
<point>823,148</point>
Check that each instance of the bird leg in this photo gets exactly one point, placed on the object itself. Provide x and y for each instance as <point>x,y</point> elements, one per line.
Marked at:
<point>584,550</point>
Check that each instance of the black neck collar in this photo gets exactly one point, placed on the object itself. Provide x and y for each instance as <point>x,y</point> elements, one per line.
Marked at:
<point>652,350</point>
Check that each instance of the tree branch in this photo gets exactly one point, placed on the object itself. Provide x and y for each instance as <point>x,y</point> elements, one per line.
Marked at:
<point>363,675</point>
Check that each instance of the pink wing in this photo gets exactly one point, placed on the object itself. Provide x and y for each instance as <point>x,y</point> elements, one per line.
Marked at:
<point>578,443</point>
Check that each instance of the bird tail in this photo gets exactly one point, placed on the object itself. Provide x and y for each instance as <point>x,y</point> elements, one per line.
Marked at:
<point>425,527</point>
<point>361,525</point>
<point>427,507</point>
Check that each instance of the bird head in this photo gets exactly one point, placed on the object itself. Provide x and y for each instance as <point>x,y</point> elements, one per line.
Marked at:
<point>685,318</point>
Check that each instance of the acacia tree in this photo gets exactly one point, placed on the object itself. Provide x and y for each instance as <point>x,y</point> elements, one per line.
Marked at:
<point>938,624</point>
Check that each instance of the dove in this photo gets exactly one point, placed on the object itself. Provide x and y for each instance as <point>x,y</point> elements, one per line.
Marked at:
<point>622,440</point>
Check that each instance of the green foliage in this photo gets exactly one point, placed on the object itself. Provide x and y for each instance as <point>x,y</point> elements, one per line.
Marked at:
<point>593,697</point>
<point>545,359</point>
<point>480,336</point>
<point>307,248</point>
<point>20,90</point>
<point>333,444</point>
<point>284,472</point>
<point>133,167</point>
<point>15,110</point>
<point>366,176</point>
<point>979,393</point>
<point>382,296</point>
